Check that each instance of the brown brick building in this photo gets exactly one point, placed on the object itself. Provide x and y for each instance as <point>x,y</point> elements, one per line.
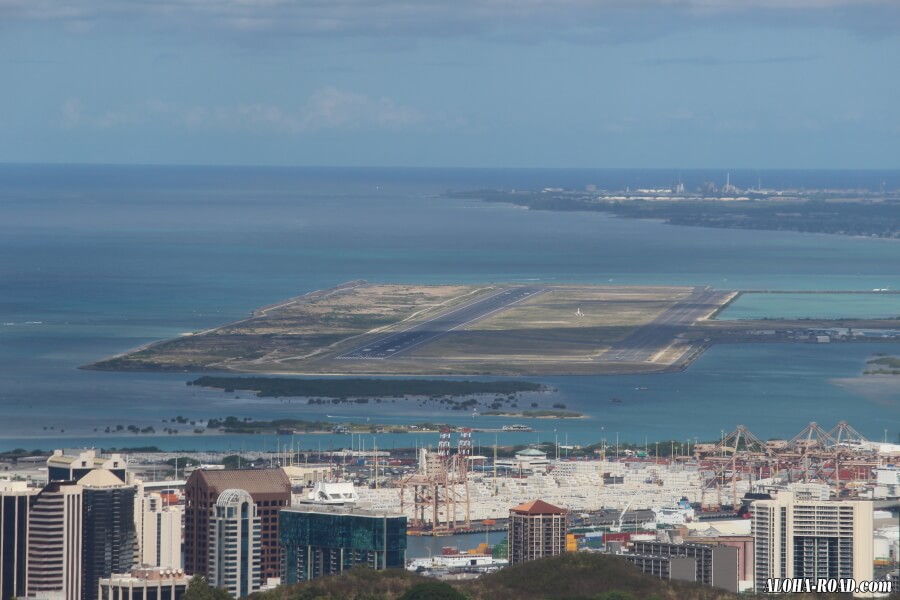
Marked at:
<point>536,529</point>
<point>270,490</point>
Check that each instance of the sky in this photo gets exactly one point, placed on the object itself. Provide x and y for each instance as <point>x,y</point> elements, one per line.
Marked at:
<point>462,83</point>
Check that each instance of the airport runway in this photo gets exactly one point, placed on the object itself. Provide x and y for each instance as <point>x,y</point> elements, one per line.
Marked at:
<point>649,339</point>
<point>394,344</point>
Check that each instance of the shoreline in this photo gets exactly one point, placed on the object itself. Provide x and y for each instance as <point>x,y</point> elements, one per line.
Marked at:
<point>665,220</point>
<point>650,369</point>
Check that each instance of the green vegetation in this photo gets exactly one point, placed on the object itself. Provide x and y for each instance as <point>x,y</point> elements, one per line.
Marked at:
<point>891,365</point>
<point>20,452</point>
<point>247,425</point>
<point>878,217</point>
<point>233,461</point>
<point>273,387</point>
<point>433,590</point>
<point>429,426</point>
<point>888,361</point>
<point>886,365</point>
<point>580,576</point>
<point>199,589</point>
<point>535,414</point>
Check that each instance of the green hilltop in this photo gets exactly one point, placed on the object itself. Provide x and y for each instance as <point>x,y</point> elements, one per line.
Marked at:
<point>579,576</point>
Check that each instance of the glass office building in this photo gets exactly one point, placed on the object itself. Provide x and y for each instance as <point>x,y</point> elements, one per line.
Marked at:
<point>320,540</point>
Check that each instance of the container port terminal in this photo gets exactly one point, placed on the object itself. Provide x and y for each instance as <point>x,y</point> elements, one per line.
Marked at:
<point>451,490</point>
<point>457,512</point>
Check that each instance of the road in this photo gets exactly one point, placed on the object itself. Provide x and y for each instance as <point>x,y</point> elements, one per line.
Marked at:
<point>656,335</point>
<point>394,344</point>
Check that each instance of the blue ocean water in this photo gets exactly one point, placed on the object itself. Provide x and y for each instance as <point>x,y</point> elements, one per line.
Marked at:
<point>97,260</point>
<point>813,306</point>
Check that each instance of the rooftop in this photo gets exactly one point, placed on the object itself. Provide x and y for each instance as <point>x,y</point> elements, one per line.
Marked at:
<point>154,574</point>
<point>531,452</point>
<point>100,478</point>
<point>254,481</point>
<point>538,507</point>
<point>339,509</point>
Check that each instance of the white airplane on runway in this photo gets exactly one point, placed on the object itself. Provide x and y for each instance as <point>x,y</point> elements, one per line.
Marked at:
<point>578,312</point>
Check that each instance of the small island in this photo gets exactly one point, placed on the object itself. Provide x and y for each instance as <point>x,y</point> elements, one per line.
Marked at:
<point>536,414</point>
<point>247,425</point>
<point>883,365</point>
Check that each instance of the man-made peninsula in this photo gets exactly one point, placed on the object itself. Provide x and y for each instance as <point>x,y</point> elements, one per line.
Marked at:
<point>493,329</point>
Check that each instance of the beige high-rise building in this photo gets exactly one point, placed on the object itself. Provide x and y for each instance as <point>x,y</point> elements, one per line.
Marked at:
<point>536,529</point>
<point>145,583</point>
<point>158,532</point>
<point>55,532</point>
<point>79,532</point>
<point>812,539</point>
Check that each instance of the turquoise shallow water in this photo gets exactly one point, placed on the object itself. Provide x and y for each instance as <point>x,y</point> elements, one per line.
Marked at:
<point>814,306</point>
<point>97,260</point>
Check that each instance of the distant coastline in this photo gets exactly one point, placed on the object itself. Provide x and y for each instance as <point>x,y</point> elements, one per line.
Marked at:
<point>852,213</point>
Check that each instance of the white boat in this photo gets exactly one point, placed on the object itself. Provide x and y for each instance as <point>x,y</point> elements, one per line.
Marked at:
<point>517,428</point>
<point>670,516</point>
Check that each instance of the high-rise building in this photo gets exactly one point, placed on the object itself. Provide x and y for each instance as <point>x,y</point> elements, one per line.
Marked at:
<point>158,532</point>
<point>812,539</point>
<point>681,568</point>
<point>15,503</point>
<point>270,490</point>
<point>54,542</point>
<point>742,543</point>
<point>715,565</point>
<point>234,544</point>
<point>324,539</point>
<point>536,529</point>
<point>108,544</point>
<point>72,465</point>
<point>146,583</point>
<point>79,532</point>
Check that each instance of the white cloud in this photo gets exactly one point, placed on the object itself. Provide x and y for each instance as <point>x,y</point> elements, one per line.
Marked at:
<point>73,116</point>
<point>326,109</point>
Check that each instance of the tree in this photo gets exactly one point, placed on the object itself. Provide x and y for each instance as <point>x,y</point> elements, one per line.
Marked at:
<point>432,590</point>
<point>615,595</point>
<point>233,462</point>
<point>199,589</point>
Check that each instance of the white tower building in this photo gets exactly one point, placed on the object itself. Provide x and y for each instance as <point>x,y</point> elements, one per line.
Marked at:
<point>812,539</point>
<point>158,532</point>
<point>235,544</point>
